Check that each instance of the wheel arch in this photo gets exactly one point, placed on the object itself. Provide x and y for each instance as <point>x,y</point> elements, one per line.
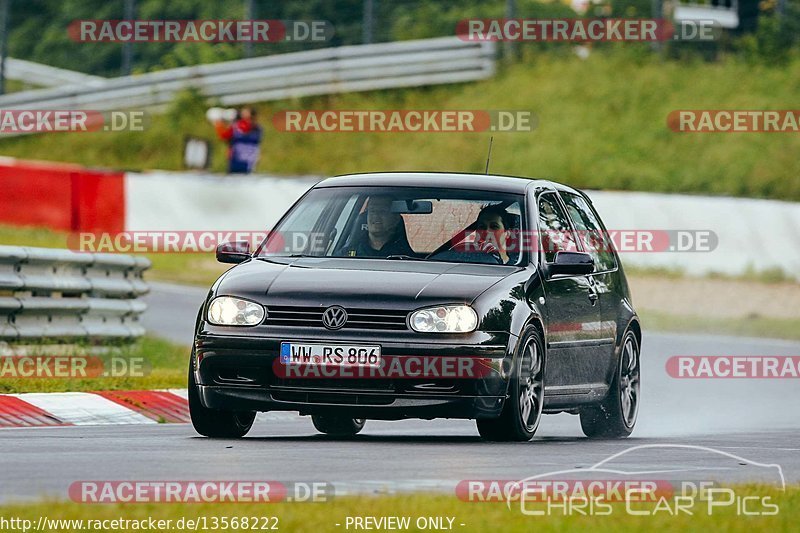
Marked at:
<point>533,321</point>
<point>636,327</point>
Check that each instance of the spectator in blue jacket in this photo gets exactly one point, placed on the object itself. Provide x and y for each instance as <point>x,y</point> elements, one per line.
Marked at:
<point>244,137</point>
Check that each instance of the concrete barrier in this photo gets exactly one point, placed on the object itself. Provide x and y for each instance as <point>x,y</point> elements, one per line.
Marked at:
<point>753,235</point>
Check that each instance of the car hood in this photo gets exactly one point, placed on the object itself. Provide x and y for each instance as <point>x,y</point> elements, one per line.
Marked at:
<point>370,283</point>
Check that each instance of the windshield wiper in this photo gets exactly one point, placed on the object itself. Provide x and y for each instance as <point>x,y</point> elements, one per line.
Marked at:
<point>402,256</point>
<point>291,256</point>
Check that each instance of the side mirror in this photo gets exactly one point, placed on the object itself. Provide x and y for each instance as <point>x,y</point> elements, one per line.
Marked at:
<point>233,252</point>
<point>570,263</point>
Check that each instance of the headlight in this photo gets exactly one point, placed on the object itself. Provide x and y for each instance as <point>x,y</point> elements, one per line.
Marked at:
<point>444,319</point>
<point>228,311</point>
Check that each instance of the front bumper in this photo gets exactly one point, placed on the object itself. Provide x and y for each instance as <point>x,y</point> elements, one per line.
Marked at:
<point>235,372</point>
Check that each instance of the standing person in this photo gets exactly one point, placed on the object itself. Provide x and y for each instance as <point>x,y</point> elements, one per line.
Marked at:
<point>244,137</point>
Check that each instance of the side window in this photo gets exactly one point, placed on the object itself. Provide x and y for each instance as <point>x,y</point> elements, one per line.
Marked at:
<point>555,232</point>
<point>594,240</point>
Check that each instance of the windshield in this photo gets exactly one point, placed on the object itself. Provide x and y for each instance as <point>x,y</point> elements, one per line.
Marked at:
<point>402,223</point>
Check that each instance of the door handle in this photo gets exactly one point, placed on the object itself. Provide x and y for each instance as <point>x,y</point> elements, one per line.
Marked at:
<point>593,297</point>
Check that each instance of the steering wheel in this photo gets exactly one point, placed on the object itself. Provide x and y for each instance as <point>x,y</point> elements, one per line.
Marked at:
<point>458,249</point>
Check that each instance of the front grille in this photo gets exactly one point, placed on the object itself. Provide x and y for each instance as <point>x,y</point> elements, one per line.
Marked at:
<point>311,317</point>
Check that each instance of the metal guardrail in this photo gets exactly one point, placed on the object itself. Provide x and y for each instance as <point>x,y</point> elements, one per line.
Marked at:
<point>292,75</point>
<point>50,293</point>
<point>47,76</point>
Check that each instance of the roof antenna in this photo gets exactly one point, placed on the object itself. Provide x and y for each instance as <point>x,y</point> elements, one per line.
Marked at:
<point>489,156</point>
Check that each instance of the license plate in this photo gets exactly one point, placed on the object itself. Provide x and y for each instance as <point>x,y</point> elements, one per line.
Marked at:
<point>297,353</point>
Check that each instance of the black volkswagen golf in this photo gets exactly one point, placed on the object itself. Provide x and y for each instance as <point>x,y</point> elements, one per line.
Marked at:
<point>422,295</point>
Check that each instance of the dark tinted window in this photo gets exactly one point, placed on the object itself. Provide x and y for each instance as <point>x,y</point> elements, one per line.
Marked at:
<point>595,241</point>
<point>555,231</point>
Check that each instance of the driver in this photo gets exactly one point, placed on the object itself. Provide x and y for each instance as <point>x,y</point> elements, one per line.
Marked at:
<point>385,233</point>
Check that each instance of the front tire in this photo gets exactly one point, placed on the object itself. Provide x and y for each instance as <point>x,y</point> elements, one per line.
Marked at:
<point>338,426</point>
<point>522,411</point>
<point>615,416</point>
<point>216,423</point>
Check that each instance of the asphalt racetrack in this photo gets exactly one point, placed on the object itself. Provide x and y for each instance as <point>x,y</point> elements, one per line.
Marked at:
<point>735,430</point>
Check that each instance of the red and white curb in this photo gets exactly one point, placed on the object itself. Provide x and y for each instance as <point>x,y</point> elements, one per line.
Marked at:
<point>94,408</point>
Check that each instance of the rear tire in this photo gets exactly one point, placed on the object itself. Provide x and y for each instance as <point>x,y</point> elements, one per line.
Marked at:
<point>522,411</point>
<point>213,422</point>
<point>338,426</point>
<point>615,416</point>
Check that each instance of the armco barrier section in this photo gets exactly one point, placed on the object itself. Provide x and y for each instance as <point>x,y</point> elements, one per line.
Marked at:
<point>276,77</point>
<point>47,76</point>
<point>61,196</point>
<point>48,293</point>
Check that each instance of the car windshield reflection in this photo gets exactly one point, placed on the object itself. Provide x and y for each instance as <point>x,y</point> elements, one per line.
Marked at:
<point>401,223</point>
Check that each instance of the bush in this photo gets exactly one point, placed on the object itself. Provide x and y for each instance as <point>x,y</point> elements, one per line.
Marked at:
<point>776,36</point>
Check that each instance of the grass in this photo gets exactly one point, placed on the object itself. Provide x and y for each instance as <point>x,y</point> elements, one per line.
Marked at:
<point>474,516</point>
<point>757,326</point>
<point>190,269</point>
<point>165,366</point>
<point>769,275</point>
<point>601,124</point>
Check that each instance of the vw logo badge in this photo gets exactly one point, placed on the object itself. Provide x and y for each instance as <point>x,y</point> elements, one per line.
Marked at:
<point>334,317</point>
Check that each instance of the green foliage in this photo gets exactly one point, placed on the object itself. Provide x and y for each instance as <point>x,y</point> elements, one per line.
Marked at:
<point>601,124</point>
<point>776,37</point>
<point>159,364</point>
<point>631,8</point>
<point>39,28</point>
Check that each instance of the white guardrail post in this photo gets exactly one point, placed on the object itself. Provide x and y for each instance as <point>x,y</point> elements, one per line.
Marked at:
<point>48,293</point>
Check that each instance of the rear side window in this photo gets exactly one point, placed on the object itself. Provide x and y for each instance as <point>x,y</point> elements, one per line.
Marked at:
<point>594,239</point>
<point>555,232</point>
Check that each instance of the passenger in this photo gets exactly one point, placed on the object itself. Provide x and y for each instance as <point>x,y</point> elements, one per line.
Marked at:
<point>386,232</point>
<point>494,224</point>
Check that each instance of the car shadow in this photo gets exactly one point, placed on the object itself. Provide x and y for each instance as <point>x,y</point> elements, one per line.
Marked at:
<point>406,439</point>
